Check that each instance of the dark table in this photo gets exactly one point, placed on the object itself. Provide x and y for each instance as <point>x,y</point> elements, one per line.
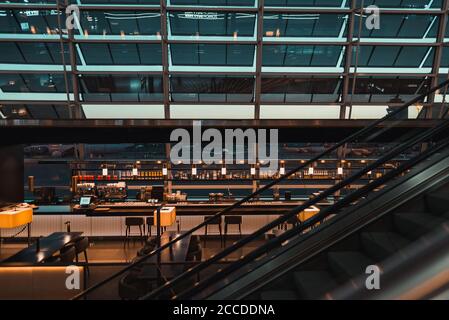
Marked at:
<point>176,255</point>
<point>48,246</point>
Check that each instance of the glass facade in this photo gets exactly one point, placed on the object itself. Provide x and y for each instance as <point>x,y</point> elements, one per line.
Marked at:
<point>280,55</point>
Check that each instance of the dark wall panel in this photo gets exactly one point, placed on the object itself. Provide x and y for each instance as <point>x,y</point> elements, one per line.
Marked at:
<point>11,173</point>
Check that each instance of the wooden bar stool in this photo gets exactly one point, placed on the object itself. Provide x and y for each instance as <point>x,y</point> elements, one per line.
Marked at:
<point>215,221</point>
<point>81,246</point>
<point>150,223</point>
<point>232,220</point>
<point>134,222</point>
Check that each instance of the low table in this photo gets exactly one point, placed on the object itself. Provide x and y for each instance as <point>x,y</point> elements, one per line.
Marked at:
<point>48,247</point>
<point>177,253</point>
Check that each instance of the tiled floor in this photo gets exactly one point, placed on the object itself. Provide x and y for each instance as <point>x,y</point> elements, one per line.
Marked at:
<point>109,251</point>
<point>113,251</point>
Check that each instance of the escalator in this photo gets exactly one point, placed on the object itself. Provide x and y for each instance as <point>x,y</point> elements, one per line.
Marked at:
<point>298,263</point>
<point>324,271</point>
<point>311,265</point>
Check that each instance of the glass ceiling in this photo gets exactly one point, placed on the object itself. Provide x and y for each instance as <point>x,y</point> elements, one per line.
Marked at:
<point>218,59</point>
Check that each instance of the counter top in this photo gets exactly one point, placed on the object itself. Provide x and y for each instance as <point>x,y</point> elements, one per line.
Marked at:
<point>182,208</point>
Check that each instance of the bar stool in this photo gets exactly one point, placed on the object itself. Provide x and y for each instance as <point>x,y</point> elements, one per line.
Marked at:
<point>216,221</point>
<point>67,254</point>
<point>232,220</point>
<point>194,253</point>
<point>81,245</point>
<point>133,222</point>
<point>150,223</point>
<point>294,221</point>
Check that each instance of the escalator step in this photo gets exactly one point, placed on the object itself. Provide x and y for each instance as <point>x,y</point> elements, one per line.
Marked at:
<point>348,263</point>
<point>438,203</point>
<point>278,295</point>
<point>381,245</point>
<point>314,284</point>
<point>413,225</point>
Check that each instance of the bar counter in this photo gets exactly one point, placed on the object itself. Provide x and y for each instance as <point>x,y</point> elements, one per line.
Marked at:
<point>52,218</point>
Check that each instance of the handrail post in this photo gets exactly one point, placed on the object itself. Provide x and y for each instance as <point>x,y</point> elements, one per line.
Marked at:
<point>158,235</point>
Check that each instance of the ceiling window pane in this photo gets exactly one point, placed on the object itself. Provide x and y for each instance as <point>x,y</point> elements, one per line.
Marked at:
<point>301,89</point>
<point>393,56</point>
<point>39,83</point>
<point>121,54</point>
<point>406,4</point>
<point>33,53</point>
<point>303,25</point>
<point>120,22</point>
<point>383,89</point>
<point>214,2</point>
<point>303,3</point>
<point>121,88</point>
<point>147,2</point>
<point>401,26</point>
<point>212,23</point>
<point>295,55</point>
<point>212,54</point>
<point>212,89</point>
<point>31,21</point>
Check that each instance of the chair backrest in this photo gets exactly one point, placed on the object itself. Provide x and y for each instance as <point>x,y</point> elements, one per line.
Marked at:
<point>233,219</point>
<point>67,254</point>
<point>133,221</point>
<point>216,220</point>
<point>128,289</point>
<point>293,220</point>
<point>81,244</point>
<point>150,221</point>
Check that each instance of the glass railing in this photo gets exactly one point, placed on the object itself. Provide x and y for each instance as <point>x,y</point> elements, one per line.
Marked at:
<point>401,128</point>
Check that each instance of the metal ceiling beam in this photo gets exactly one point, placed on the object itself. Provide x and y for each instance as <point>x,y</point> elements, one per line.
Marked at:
<point>348,60</point>
<point>42,6</point>
<point>165,62</point>
<point>438,56</point>
<point>259,52</point>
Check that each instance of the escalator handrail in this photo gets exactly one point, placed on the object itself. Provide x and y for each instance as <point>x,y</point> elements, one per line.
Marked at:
<point>268,186</point>
<point>392,153</point>
<point>275,242</point>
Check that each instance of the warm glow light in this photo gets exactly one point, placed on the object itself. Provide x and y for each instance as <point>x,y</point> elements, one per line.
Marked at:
<point>135,172</point>
<point>223,171</point>
<point>311,171</point>
<point>105,171</point>
<point>164,171</point>
<point>194,171</point>
<point>282,170</point>
<point>253,171</point>
<point>340,170</point>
